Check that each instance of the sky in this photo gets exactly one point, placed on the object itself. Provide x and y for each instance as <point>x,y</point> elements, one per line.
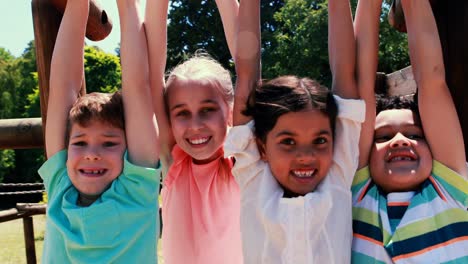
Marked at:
<point>16,26</point>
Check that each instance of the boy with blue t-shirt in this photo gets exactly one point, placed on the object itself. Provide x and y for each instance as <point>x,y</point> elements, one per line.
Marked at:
<point>410,197</point>
<point>101,177</point>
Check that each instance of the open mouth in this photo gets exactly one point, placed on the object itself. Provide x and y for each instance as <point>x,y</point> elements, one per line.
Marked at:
<point>198,141</point>
<point>93,172</point>
<point>304,173</point>
<point>401,156</point>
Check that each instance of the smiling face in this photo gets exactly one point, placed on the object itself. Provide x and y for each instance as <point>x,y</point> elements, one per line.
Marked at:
<point>299,150</point>
<point>95,156</point>
<point>199,118</point>
<point>400,159</point>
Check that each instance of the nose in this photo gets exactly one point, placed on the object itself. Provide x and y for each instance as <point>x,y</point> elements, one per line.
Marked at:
<point>305,154</point>
<point>197,123</point>
<point>92,154</point>
<point>399,140</point>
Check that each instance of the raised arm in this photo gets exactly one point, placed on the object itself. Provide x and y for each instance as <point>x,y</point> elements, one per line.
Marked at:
<point>140,123</point>
<point>247,57</point>
<point>66,73</point>
<point>229,9</point>
<point>342,48</point>
<point>156,32</point>
<point>366,30</point>
<point>438,115</point>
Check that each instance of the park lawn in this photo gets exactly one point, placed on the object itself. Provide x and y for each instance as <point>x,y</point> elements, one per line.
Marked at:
<point>12,241</point>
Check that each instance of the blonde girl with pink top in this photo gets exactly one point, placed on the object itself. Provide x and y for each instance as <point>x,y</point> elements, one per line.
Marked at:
<point>200,198</point>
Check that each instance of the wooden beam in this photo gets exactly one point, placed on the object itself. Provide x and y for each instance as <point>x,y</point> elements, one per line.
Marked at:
<point>401,82</point>
<point>99,24</point>
<point>22,133</point>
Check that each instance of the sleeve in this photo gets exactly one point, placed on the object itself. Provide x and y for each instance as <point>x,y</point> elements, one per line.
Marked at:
<point>53,171</point>
<point>351,113</point>
<point>139,184</point>
<point>455,185</point>
<point>240,144</point>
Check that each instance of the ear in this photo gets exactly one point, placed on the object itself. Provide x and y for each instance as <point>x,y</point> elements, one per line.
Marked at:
<point>261,149</point>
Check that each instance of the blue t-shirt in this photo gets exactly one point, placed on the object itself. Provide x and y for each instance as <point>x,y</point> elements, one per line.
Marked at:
<point>121,226</point>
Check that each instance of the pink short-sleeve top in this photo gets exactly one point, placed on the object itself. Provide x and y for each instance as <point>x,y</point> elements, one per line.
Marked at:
<point>200,212</point>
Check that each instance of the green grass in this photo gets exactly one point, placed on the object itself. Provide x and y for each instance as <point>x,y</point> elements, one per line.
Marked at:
<point>12,241</point>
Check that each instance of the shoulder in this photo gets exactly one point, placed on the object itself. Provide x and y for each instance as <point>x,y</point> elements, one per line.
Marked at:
<point>452,182</point>
<point>353,109</point>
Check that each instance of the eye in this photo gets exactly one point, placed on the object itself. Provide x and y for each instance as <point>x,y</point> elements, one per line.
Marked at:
<point>78,143</point>
<point>206,110</point>
<point>381,138</point>
<point>415,136</point>
<point>183,113</point>
<point>288,142</point>
<point>110,144</point>
<point>320,141</point>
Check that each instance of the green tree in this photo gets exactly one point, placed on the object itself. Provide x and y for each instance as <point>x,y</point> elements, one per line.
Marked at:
<point>302,38</point>
<point>9,79</point>
<point>102,70</point>
<point>195,25</point>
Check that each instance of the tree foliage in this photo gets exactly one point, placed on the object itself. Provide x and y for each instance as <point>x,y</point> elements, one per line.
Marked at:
<point>195,25</point>
<point>102,71</point>
<point>302,38</point>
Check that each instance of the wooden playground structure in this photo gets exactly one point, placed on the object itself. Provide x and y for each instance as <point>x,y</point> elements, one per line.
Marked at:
<point>452,21</point>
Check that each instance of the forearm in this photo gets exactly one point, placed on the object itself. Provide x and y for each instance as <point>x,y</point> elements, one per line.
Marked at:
<point>424,43</point>
<point>133,48</point>
<point>247,56</point>
<point>435,103</point>
<point>67,59</point>
<point>156,33</point>
<point>141,132</point>
<point>342,48</point>
<point>66,73</point>
<point>229,9</point>
<point>366,28</point>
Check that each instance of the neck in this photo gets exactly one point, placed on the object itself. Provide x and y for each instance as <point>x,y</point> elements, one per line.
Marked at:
<point>86,200</point>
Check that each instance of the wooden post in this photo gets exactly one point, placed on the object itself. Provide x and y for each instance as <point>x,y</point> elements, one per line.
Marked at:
<point>29,244</point>
<point>99,24</point>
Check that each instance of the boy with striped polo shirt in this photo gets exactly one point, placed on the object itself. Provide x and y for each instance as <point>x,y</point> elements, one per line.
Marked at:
<point>409,197</point>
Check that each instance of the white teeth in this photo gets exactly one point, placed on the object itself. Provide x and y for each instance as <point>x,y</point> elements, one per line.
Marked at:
<point>93,171</point>
<point>303,174</point>
<point>198,141</point>
<point>399,158</point>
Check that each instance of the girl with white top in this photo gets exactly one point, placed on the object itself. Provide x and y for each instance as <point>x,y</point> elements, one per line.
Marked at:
<point>295,160</point>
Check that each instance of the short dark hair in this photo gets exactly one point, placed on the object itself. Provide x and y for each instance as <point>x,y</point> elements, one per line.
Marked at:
<point>397,102</point>
<point>286,94</point>
<point>104,107</point>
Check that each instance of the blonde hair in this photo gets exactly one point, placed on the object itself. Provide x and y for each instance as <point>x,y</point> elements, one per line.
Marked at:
<point>201,67</point>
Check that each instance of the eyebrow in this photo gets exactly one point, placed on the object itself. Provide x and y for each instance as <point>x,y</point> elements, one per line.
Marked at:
<point>289,133</point>
<point>207,101</point>
<point>108,135</point>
